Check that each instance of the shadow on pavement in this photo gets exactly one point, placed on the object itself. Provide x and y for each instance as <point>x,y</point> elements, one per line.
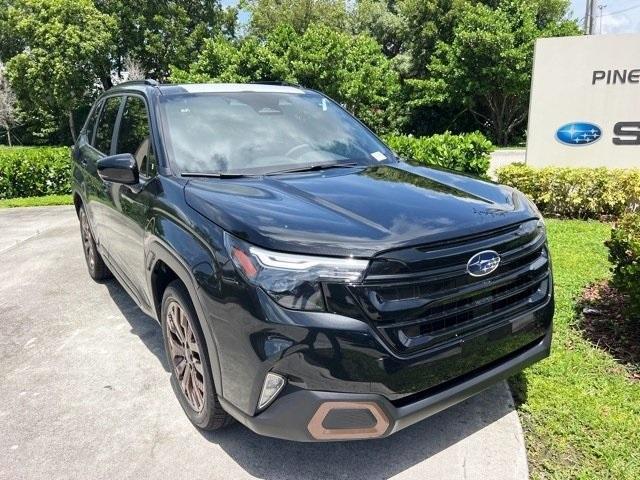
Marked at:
<point>270,458</point>
<point>142,325</point>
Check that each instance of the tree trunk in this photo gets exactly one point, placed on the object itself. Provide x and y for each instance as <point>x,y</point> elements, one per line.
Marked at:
<point>106,82</point>
<point>72,126</point>
<point>9,136</point>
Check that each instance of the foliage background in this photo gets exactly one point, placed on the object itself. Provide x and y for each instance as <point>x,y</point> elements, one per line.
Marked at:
<point>576,192</point>
<point>467,153</point>
<point>624,254</point>
<point>403,66</point>
<point>34,171</point>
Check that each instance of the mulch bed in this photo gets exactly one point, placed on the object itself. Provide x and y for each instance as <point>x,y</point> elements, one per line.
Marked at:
<point>603,321</point>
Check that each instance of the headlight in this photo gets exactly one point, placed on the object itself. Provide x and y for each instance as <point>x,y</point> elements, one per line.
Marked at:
<point>292,280</point>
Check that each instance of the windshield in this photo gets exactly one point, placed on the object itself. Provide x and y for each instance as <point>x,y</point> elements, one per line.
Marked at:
<point>264,132</point>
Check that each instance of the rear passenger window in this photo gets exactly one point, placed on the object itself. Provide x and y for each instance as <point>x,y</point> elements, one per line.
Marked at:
<point>104,130</point>
<point>134,135</point>
<point>91,122</point>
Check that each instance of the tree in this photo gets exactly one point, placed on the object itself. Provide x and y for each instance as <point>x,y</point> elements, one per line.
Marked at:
<point>486,67</point>
<point>10,44</point>
<point>268,15</point>
<point>8,112</point>
<point>157,34</point>
<point>222,60</point>
<point>380,20</point>
<point>65,41</point>
<point>351,69</point>
<point>425,22</point>
<point>133,69</point>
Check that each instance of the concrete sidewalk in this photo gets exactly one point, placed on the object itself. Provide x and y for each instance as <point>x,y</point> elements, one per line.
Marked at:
<point>84,391</point>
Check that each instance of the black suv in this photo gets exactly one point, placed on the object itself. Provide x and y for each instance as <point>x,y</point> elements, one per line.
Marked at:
<point>309,283</point>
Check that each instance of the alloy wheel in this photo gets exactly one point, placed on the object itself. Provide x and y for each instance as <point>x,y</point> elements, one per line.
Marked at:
<point>87,241</point>
<point>186,360</point>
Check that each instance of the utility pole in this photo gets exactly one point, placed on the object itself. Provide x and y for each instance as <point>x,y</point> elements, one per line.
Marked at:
<point>587,18</point>
<point>590,17</point>
<point>601,7</point>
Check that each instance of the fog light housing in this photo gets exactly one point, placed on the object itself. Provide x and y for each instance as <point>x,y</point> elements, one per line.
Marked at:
<point>336,420</point>
<point>273,384</point>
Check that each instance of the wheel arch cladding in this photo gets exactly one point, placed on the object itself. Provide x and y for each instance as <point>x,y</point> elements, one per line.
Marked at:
<point>169,265</point>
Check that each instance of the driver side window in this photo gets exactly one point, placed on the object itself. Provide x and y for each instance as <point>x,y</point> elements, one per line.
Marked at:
<point>134,136</point>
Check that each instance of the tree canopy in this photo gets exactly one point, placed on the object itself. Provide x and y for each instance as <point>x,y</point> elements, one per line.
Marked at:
<point>349,68</point>
<point>267,15</point>
<point>411,66</point>
<point>487,64</point>
<point>69,42</point>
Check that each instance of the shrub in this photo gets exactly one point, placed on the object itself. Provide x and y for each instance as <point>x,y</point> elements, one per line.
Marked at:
<point>576,192</point>
<point>468,153</point>
<point>624,253</point>
<point>34,171</point>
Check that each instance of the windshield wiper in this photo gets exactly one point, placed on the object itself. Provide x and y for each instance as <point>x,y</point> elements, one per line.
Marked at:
<point>318,166</point>
<point>213,174</point>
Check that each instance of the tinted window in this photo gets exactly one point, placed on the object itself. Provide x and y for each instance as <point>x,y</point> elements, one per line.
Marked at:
<point>252,132</point>
<point>105,124</point>
<point>91,122</point>
<point>134,135</point>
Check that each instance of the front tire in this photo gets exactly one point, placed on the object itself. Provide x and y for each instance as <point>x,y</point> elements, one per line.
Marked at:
<point>187,357</point>
<point>95,264</point>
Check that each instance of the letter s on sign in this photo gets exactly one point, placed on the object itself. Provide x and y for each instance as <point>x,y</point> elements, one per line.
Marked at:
<point>631,130</point>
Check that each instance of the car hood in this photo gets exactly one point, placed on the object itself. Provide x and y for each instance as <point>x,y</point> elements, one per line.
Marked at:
<point>356,211</point>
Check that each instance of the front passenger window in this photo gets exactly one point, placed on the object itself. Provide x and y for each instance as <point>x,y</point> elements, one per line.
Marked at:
<point>104,130</point>
<point>134,136</point>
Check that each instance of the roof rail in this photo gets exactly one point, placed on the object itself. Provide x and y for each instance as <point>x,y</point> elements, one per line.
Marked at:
<point>277,82</point>
<point>146,81</point>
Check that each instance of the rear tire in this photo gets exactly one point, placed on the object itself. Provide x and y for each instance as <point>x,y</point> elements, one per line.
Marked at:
<point>95,264</point>
<point>188,360</point>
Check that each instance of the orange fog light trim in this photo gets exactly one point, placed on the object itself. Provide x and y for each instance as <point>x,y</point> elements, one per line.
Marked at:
<point>319,432</point>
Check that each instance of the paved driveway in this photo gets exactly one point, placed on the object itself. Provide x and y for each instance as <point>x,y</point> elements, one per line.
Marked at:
<point>84,391</point>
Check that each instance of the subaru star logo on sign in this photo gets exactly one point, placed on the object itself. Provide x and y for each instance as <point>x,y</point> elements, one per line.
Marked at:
<point>578,133</point>
<point>483,263</point>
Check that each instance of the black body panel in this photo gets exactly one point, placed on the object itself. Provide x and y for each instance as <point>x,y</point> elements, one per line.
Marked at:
<point>415,335</point>
<point>356,211</point>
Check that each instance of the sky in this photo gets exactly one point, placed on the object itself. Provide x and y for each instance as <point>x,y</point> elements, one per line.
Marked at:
<point>618,16</point>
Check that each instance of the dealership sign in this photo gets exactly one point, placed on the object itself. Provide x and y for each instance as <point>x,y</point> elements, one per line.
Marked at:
<point>584,107</point>
<point>576,134</point>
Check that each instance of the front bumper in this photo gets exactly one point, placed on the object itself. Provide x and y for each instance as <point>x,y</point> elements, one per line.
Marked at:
<point>291,416</point>
<point>294,415</point>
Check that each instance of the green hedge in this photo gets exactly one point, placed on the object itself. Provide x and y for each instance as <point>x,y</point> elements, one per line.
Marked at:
<point>624,253</point>
<point>468,153</point>
<point>576,192</point>
<point>34,171</point>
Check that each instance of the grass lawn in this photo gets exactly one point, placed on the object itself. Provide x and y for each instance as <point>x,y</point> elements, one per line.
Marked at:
<point>36,201</point>
<point>580,410</point>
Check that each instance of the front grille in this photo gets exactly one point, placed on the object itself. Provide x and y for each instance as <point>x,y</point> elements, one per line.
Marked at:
<point>423,296</point>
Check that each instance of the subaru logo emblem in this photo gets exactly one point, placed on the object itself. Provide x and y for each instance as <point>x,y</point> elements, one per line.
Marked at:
<point>483,263</point>
<point>578,133</point>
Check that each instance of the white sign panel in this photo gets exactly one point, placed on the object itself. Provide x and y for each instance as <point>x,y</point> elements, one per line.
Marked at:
<point>585,102</point>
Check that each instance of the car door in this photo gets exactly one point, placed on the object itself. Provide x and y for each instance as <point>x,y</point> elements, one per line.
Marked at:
<point>131,203</point>
<point>99,194</point>
<point>86,156</point>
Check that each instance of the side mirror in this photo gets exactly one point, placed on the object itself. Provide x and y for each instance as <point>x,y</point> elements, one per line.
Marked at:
<point>121,168</point>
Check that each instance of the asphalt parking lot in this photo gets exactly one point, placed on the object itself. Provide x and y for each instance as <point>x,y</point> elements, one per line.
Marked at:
<point>85,393</point>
